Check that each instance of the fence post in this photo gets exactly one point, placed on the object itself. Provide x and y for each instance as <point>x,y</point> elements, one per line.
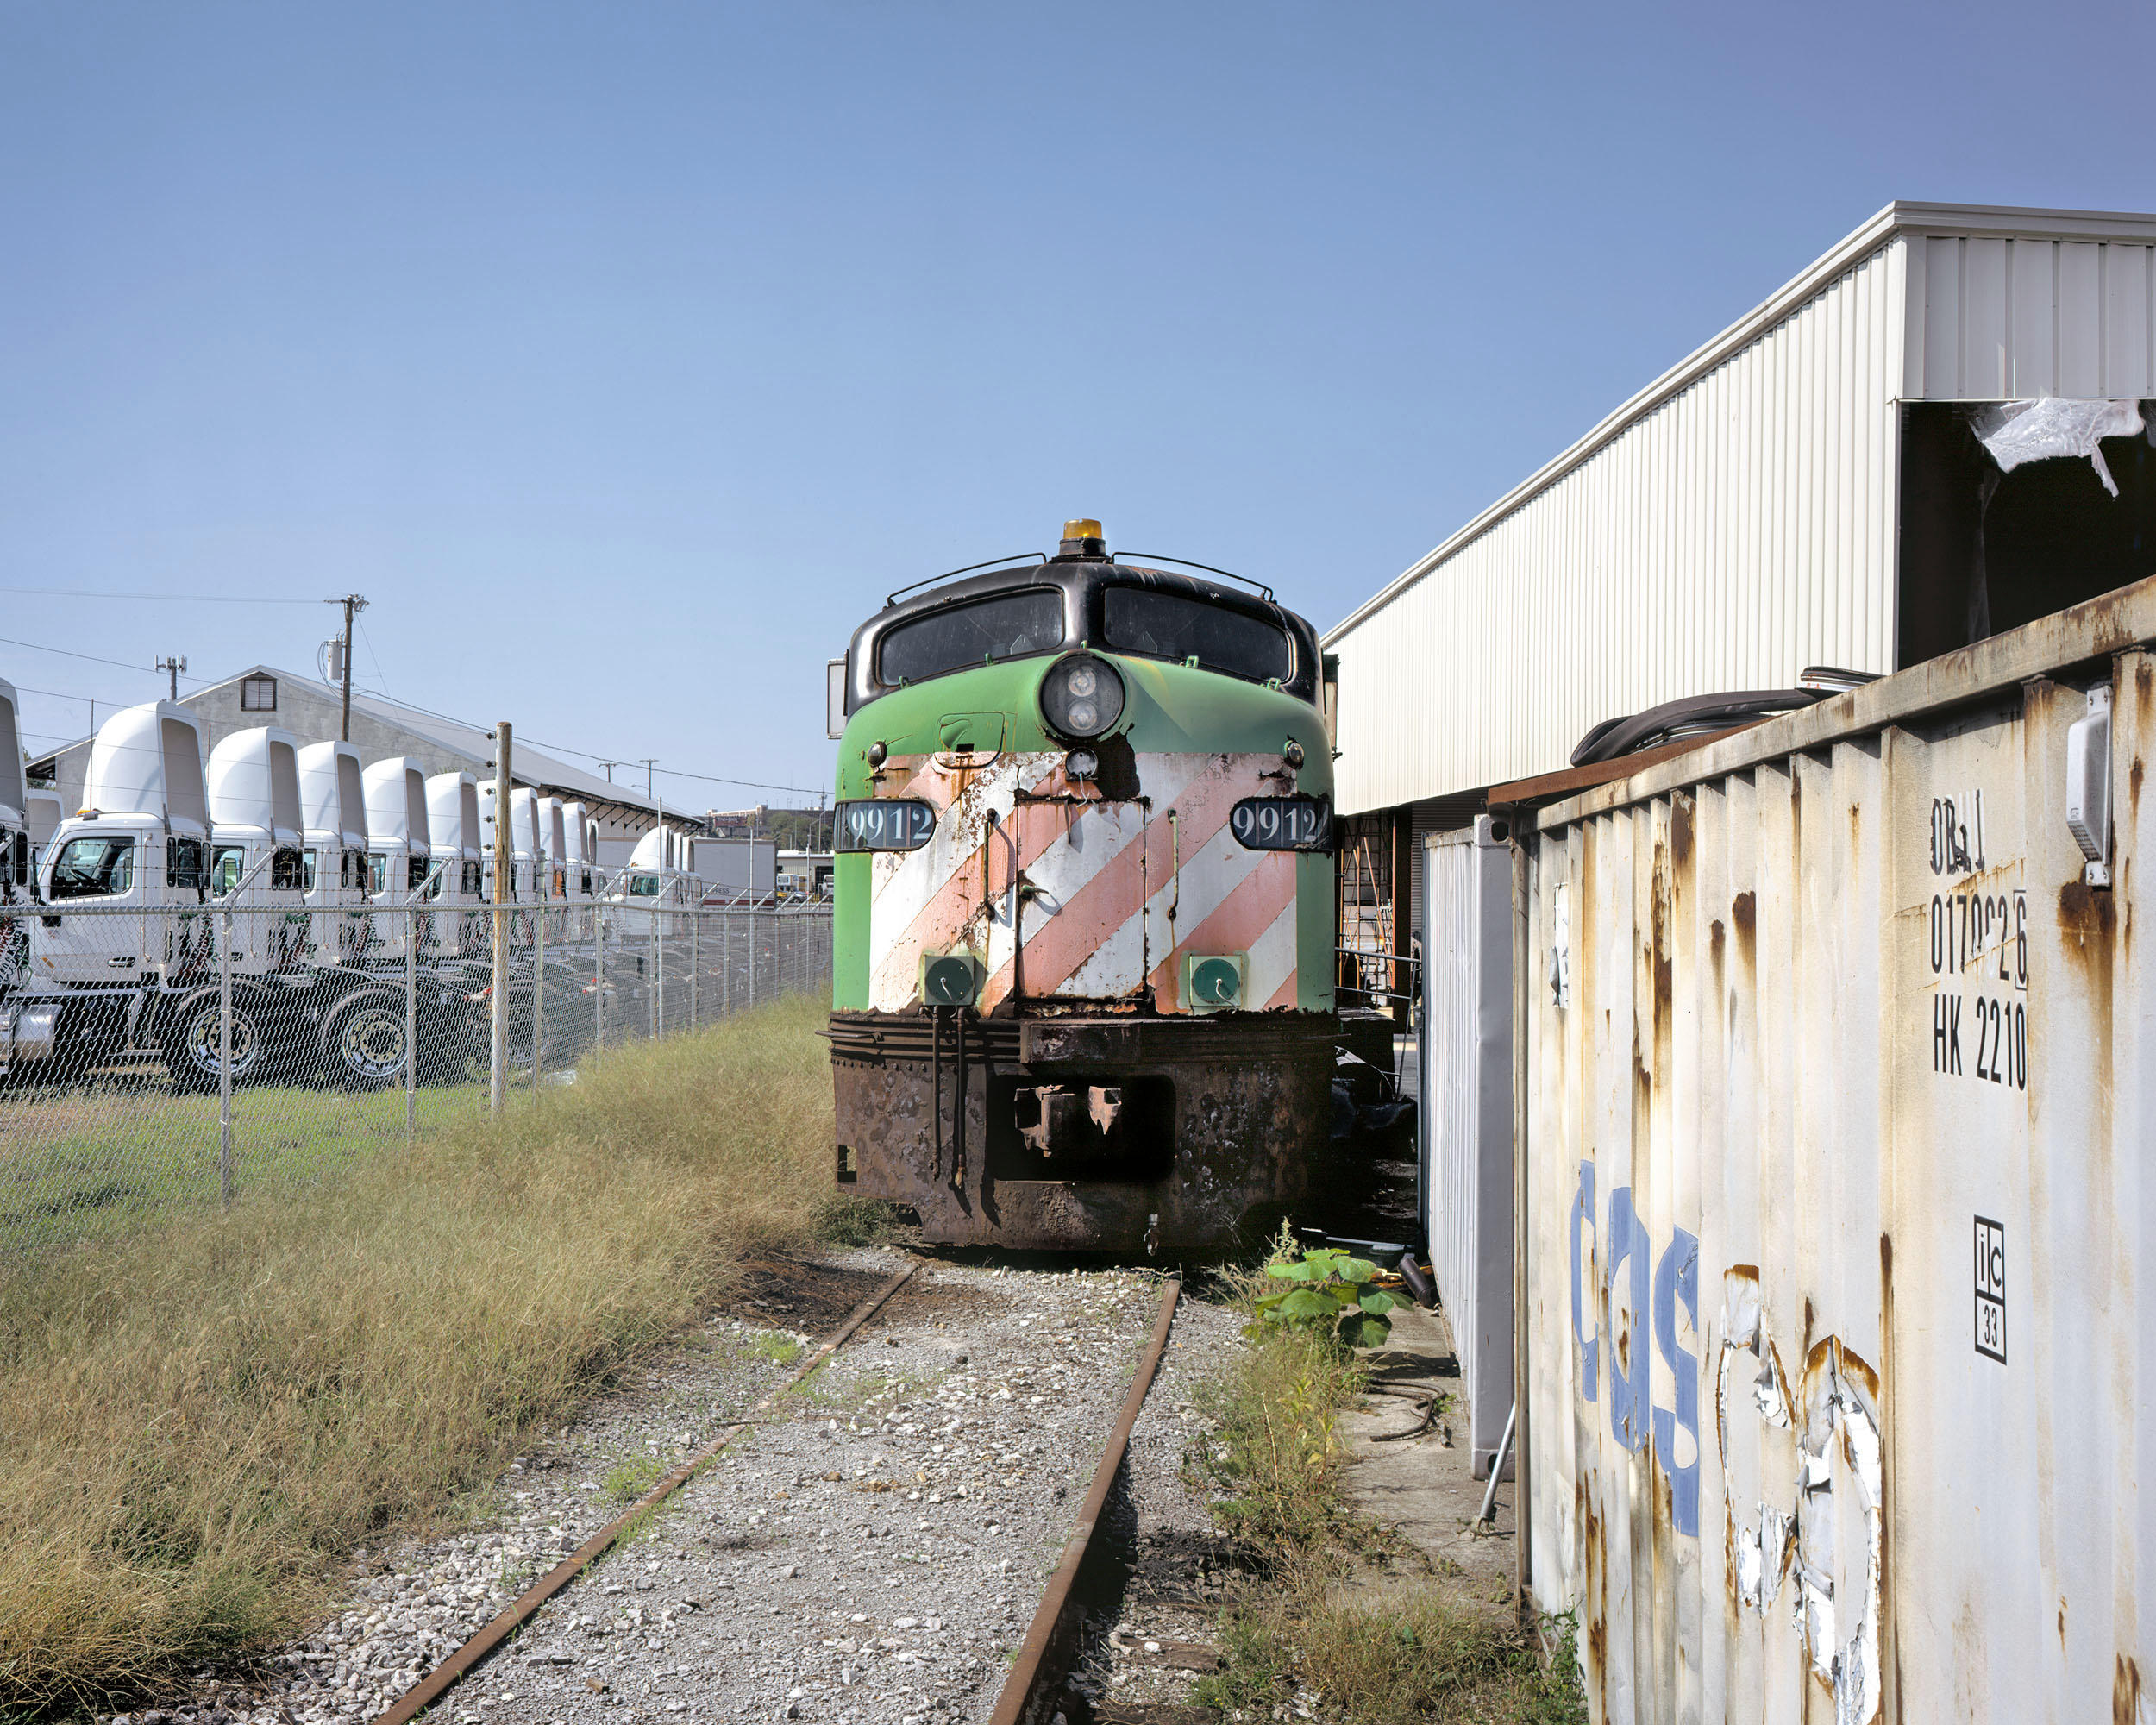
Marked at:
<point>658,973</point>
<point>504,874</point>
<point>696,960</point>
<point>224,1062</point>
<point>538,988</point>
<point>411,1024</point>
<point>752,960</point>
<point>726,965</point>
<point>599,975</point>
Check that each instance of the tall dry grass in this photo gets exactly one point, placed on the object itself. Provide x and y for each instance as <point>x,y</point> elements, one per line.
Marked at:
<point>1415,1649</point>
<point>196,1422</point>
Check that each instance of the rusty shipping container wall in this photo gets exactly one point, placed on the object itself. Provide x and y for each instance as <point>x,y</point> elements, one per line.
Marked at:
<point>1837,1341</point>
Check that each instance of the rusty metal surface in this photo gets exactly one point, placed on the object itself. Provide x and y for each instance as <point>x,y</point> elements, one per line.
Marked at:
<point>438,1681</point>
<point>1224,1124</point>
<point>1836,1114</point>
<point>1031,1692</point>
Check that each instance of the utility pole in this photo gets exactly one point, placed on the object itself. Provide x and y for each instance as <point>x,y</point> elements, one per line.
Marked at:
<point>351,603</point>
<point>609,766</point>
<point>505,864</point>
<point>175,666</point>
<point>650,761</point>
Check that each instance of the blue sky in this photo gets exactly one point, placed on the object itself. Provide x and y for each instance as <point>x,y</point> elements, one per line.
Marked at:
<point>625,356</point>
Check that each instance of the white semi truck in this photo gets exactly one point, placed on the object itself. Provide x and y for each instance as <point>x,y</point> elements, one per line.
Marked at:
<point>121,940</point>
<point>174,872</point>
<point>400,859</point>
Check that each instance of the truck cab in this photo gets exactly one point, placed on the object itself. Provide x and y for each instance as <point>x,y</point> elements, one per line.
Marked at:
<point>653,879</point>
<point>554,828</point>
<point>45,814</point>
<point>453,831</point>
<point>140,843</point>
<point>523,836</point>
<point>579,869</point>
<point>333,803</point>
<point>400,857</point>
<point>257,848</point>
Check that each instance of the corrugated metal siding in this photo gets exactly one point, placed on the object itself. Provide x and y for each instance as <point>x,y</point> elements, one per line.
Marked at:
<point>1466,1117</point>
<point>1816,1017</point>
<point>1993,319</point>
<point>1736,533</point>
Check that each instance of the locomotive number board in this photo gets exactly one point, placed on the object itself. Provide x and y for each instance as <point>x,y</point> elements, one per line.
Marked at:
<point>1283,824</point>
<point>885,824</point>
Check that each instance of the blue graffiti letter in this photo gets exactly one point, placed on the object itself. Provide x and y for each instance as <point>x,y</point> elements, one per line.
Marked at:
<point>1584,1213</point>
<point>1677,1277</point>
<point>1628,1385</point>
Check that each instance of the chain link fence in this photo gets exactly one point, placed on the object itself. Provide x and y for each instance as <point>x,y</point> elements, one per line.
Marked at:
<point>157,1058</point>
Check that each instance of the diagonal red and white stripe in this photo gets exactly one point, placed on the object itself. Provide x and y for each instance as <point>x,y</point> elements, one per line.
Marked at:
<point>1113,895</point>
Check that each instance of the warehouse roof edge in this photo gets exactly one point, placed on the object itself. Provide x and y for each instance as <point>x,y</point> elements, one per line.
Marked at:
<point>1900,217</point>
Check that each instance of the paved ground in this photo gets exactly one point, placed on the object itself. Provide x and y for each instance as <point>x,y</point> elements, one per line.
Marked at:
<point>1419,1487</point>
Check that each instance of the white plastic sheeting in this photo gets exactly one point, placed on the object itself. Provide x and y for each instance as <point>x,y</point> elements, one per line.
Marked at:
<point>1840,1324</point>
<point>1466,1118</point>
<point>2015,432</point>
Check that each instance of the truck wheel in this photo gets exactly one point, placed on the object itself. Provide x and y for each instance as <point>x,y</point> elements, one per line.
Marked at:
<point>189,1039</point>
<point>363,1041</point>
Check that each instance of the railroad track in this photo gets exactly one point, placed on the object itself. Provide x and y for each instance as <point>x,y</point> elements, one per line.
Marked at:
<point>1008,1376</point>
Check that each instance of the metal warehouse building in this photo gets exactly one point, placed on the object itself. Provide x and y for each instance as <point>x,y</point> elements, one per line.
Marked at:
<point>1806,489</point>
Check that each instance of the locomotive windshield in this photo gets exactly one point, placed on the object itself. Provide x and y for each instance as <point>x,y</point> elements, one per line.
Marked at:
<point>1163,625</point>
<point>1006,626</point>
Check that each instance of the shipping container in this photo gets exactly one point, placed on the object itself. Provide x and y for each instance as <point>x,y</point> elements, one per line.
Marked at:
<point>1835,1188</point>
<point>1465,1121</point>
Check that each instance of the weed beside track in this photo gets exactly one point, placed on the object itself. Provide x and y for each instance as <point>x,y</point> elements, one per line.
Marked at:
<point>1406,1648</point>
<point>198,1420</point>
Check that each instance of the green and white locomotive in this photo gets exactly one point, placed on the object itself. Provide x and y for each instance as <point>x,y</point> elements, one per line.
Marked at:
<point>1083,950</point>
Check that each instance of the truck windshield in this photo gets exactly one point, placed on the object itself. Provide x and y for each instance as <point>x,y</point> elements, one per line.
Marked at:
<point>471,882</point>
<point>416,876</point>
<point>644,886</point>
<point>93,869</point>
<point>378,873</point>
<point>1163,625</point>
<point>1008,626</point>
<point>227,862</point>
<point>290,871</point>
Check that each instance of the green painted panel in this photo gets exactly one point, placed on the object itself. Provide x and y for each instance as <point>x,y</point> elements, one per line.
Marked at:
<point>1316,906</point>
<point>849,933</point>
<point>1171,709</point>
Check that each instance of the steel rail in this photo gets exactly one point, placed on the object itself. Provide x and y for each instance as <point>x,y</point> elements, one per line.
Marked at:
<point>1045,1659</point>
<point>438,1681</point>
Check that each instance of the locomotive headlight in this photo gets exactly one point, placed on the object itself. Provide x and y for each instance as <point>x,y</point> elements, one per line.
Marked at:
<point>1082,696</point>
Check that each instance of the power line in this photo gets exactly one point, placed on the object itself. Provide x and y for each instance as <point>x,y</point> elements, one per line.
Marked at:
<point>586,754</point>
<point>377,658</point>
<point>429,712</point>
<point>170,599</point>
<point>68,653</point>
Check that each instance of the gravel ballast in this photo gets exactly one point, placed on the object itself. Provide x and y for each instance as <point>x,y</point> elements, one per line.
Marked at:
<point>872,1550</point>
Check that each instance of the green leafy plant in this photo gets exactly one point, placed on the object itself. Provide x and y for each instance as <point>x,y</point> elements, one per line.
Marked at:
<point>1325,1291</point>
